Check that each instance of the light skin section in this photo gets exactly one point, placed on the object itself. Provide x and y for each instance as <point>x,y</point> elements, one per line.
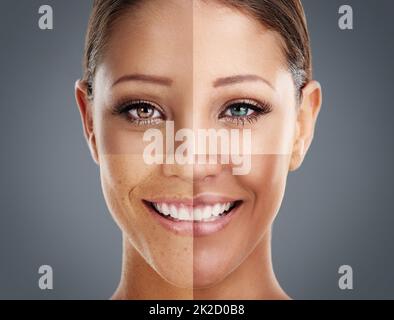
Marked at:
<point>194,50</point>
<point>240,254</point>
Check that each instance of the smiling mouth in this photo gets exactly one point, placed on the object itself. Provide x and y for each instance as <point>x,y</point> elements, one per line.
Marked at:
<point>178,212</point>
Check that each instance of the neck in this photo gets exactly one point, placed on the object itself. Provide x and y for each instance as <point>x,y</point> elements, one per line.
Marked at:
<point>253,279</point>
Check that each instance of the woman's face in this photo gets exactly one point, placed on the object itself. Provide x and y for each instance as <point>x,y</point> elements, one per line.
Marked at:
<point>200,52</point>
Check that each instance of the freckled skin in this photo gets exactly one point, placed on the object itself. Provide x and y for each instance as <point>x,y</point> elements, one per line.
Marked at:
<point>184,40</point>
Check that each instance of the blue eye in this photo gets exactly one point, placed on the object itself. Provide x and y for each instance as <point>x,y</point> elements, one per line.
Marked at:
<point>244,110</point>
<point>239,110</point>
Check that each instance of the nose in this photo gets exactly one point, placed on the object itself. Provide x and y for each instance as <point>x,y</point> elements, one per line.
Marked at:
<point>195,167</point>
<point>181,171</point>
<point>200,168</point>
<point>203,172</point>
<point>199,171</point>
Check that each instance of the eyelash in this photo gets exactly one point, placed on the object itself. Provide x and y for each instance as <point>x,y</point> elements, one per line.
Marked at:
<point>259,109</point>
<point>124,110</point>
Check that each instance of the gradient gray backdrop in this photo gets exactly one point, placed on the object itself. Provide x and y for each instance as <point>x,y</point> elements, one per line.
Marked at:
<point>338,208</point>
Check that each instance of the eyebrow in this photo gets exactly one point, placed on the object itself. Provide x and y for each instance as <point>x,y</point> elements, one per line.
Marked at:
<point>239,79</point>
<point>168,82</point>
<point>144,78</point>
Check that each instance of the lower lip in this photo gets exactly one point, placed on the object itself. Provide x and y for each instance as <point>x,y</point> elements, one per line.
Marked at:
<point>194,228</point>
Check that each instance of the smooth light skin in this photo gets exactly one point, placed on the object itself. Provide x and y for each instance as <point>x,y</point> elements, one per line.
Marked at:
<point>187,43</point>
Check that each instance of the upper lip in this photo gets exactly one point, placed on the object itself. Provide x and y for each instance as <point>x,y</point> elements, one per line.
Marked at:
<point>198,200</point>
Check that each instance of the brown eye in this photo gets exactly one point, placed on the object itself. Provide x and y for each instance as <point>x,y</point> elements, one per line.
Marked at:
<point>140,112</point>
<point>145,111</point>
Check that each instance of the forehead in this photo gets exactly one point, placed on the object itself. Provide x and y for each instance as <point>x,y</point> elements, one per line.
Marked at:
<point>177,38</point>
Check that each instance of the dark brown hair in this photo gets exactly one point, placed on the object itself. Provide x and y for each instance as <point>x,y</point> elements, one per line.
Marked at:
<point>286,17</point>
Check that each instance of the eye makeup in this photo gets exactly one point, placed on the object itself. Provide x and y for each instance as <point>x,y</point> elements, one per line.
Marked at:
<point>237,112</point>
<point>140,112</point>
<point>240,111</point>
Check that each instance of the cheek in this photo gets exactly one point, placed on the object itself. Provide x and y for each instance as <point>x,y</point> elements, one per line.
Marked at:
<point>122,166</point>
<point>274,134</point>
<point>116,137</point>
<point>266,186</point>
<point>120,175</point>
<point>122,169</point>
<point>218,256</point>
<point>267,183</point>
<point>125,181</point>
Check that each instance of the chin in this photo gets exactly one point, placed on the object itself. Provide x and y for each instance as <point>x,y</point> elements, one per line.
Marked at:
<point>205,277</point>
<point>177,278</point>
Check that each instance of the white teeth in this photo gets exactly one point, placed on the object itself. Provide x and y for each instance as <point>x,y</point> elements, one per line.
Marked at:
<point>217,210</point>
<point>173,212</point>
<point>206,212</point>
<point>197,214</point>
<point>182,212</point>
<point>165,210</point>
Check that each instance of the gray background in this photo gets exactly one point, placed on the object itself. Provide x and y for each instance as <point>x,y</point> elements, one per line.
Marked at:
<point>337,210</point>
